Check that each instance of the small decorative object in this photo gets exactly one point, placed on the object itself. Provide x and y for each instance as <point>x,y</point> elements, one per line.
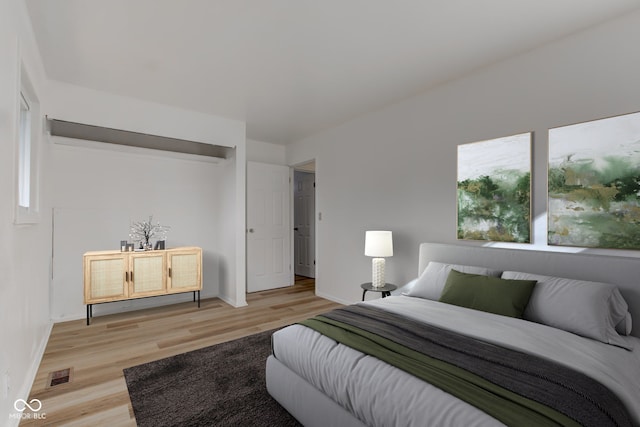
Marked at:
<point>494,189</point>
<point>159,244</point>
<point>594,185</point>
<point>378,244</point>
<point>143,232</point>
<point>123,245</point>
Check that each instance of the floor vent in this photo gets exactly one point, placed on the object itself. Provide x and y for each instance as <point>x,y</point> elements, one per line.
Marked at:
<point>62,376</point>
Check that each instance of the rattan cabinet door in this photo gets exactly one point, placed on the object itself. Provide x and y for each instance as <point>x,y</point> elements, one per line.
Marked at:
<point>105,278</point>
<point>184,270</point>
<point>147,274</point>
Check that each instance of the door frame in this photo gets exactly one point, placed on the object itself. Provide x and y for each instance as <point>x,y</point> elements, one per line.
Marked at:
<point>303,167</point>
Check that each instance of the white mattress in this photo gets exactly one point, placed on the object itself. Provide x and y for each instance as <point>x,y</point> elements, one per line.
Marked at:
<point>381,395</point>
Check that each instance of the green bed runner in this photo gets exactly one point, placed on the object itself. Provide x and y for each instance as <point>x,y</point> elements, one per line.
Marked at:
<point>504,405</point>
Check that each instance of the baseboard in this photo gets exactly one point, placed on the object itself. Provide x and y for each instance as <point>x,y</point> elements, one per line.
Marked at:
<point>68,318</point>
<point>231,302</point>
<point>332,298</point>
<point>30,376</point>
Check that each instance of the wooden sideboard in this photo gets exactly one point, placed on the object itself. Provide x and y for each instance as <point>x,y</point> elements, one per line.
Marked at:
<point>116,276</point>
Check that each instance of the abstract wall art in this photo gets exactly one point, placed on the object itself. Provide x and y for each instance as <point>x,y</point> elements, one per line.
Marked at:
<point>594,184</point>
<point>494,189</point>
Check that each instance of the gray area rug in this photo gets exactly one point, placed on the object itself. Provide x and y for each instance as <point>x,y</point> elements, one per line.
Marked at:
<point>221,385</point>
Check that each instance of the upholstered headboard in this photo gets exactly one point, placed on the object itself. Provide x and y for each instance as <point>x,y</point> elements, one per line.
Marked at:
<point>621,271</point>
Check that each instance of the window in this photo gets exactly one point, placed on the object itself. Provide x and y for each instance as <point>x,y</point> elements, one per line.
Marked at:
<point>29,128</point>
<point>24,154</point>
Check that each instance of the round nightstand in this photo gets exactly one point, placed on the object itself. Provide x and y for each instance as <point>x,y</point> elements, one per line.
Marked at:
<point>386,289</point>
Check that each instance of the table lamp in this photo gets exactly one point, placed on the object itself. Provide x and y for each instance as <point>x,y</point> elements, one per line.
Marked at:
<point>378,244</point>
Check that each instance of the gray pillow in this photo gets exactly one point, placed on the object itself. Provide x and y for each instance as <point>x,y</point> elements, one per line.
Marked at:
<point>431,282</point>
<point>624,327</point>
<point>589,309</point>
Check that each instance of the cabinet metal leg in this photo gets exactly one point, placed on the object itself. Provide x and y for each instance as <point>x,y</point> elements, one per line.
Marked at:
<point>363,294</point>
<point>196,296</point>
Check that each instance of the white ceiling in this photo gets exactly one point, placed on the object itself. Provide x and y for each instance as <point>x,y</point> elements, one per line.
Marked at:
<point>289,68</point>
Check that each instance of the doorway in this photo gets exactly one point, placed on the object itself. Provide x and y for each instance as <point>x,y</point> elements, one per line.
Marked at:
<point>304,225</point>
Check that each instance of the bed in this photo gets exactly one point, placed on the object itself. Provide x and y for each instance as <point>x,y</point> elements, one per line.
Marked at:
<point>574,349</point>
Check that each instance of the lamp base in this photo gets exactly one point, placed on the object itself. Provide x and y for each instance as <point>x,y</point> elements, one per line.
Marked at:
<point>377,265</point>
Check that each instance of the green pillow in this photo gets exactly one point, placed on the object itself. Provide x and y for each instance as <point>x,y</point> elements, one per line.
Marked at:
<point>507,297</point>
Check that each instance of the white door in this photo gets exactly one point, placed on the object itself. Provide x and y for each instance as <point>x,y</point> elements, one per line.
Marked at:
<point>268,227</point>
<point>304,196</point>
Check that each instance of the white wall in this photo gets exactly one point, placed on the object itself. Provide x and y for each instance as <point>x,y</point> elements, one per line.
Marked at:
<point>266,152</point>
<point>98,189</point>
<point>24,249</point>
<point>225,229</point>
<point>232,226</point>
<point>395,168</point>
<point>79,104</point>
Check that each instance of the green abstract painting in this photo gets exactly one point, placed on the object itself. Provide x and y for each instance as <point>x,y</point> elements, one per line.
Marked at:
<point>494,189</point>
<point>594,184</point>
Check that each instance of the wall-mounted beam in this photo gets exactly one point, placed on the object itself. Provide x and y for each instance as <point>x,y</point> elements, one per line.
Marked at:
<point>134,139</point>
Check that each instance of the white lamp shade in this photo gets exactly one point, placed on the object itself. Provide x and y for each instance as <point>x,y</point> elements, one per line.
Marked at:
<point>378,244</point>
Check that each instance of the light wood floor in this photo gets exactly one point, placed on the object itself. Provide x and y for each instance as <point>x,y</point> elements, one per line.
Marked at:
<point>97,394</point>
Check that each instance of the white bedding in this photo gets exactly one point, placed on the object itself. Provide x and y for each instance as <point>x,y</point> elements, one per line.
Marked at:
<point>381,395</point>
